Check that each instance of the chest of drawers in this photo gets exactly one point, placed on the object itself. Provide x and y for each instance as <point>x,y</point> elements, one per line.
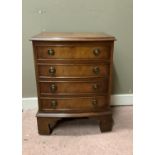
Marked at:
<point>73,76</point>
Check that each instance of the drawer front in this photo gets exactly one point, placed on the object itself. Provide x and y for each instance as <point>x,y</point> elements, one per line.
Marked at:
<point>73,52</point>
<point>73,87</point>
<point>48,71</point>
<point>80,103</point>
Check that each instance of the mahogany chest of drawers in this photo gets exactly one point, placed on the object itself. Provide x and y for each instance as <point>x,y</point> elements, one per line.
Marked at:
<point>73,76</point>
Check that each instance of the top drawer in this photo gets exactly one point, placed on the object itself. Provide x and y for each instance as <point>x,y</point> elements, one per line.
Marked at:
<point>74,52</point>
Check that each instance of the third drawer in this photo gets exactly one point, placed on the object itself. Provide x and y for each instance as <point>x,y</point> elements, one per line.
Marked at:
<point>73,87</point>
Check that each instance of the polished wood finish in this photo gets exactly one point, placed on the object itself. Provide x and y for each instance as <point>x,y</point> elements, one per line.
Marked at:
<point>73,76</point>
<point>73,52</point>
<point>61,36</point>
<point>106,123</point>
<point>47,121</point>
<point>73,70</point>
<point>65,87</point>
<point>94,103</point>
<point>46,125</point>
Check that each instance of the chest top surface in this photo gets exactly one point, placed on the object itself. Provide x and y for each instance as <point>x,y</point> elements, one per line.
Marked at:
<point>72,36</point>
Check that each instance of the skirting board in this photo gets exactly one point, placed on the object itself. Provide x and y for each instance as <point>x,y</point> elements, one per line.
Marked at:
<point>119,99</point>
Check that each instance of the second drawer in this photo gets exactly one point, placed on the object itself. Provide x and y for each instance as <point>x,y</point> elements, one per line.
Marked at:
<point>73,70</point>
<point>73,87</point>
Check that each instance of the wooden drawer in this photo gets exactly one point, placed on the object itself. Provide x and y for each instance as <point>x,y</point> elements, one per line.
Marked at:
<point>75,103</point>
<point>73,87</point>
<point>74,52</point>
<point>73,70</point>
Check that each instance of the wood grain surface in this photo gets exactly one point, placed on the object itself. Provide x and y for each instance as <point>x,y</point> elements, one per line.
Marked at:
<point>73,77</point>
<point>72,36</point>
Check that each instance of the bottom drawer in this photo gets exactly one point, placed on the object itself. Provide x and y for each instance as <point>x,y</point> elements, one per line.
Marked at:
<point>73,104</point>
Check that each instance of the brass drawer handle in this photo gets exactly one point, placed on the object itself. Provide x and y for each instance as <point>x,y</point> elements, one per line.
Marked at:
<point>51,52</point>
<point>95,86</point>
<point>94,102</point>
<point>53,88</point>
<point>54,104</point>
<point>52,70</point>
<point>96,52</point>
<point>96,70</point>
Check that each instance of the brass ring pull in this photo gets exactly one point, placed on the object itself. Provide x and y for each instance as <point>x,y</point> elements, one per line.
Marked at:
<point>96,70</point>
<point>52,70</point>
<point>51,52</point>
<point>53,88</point>
<point>54,104</point>
<point>95,86</point>
<point>94,102</point>
<point>96,52</point>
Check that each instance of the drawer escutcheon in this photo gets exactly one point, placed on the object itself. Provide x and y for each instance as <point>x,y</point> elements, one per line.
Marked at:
<point>54,104</point>
<point>96,52</point>
<point>51,52</point>
<point>95,86</point>
<point>96,70</point>
<point>94,102</point>
<point>52,70</point>
<point>53,88</point>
